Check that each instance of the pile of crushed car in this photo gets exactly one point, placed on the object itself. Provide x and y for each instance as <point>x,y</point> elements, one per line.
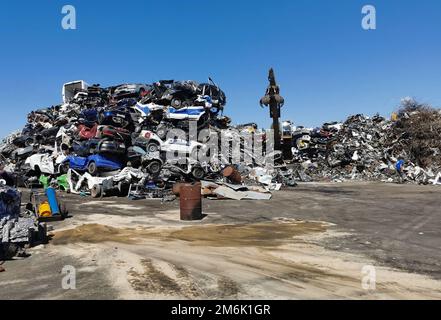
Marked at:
<point>403,149</point>
<point>114,141</point>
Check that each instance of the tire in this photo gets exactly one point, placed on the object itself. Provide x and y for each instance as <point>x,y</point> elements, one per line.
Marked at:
<point>96,191</point>
<point>176,103</point>
<point>198,173</point>
<point>154,167</point>
<point>92,168</point>
<point>152,147</point>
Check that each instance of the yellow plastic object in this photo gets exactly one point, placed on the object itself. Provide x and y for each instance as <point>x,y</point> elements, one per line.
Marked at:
<point>394,117</point>
<point>45,210</point>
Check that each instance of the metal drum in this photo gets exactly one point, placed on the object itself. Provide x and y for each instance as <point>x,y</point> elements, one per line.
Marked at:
<point>190,201</point>
<point>232,174</point>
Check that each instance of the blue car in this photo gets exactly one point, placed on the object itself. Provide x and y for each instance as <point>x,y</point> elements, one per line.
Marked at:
<point>89,115</point>
<point>120,118</point>
<point>92,164</point>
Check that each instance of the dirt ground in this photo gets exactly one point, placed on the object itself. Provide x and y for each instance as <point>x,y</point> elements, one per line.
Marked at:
<point>310,242</point>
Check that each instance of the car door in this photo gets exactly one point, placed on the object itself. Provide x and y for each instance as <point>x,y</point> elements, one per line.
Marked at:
<point>176,144</point>
<point>79,163</point>
<point>47,164</point>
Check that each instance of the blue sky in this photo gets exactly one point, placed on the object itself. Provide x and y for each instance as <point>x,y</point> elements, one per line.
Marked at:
<point>328,67</point>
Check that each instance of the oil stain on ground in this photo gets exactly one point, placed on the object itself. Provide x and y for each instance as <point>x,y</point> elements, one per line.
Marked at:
<point>266,234</point>
<point>93,233</point>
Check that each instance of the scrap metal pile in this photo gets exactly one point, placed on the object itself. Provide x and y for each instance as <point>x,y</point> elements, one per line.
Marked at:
<point>117,141</point>
<point>406,148</point>
<point>114,141</point>
<point>16,229</point>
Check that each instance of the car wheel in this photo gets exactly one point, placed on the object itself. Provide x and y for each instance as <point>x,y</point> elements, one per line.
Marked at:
<point>198,173</point>
<point>154,167</point>
<point>96,191</point>
<point>92,168</point>
<point>176,103</point>
<point>152,147</point>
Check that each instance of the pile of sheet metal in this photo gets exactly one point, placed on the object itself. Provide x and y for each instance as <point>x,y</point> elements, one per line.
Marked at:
<point>405,148</point>
<point>118,140</point>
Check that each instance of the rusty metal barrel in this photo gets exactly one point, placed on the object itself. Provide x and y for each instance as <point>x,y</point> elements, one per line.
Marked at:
<point>190,199</point>
<point>232,174</point>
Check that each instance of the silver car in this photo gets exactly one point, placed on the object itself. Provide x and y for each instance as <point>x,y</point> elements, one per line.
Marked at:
<point>131,91</point>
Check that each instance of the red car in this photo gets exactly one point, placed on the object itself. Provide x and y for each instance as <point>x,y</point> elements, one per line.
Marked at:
<point>102,132</point>
<point>86,133</point>
<point>119,134</point>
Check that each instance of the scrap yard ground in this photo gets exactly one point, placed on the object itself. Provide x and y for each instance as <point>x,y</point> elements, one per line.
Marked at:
<point>311,241</point>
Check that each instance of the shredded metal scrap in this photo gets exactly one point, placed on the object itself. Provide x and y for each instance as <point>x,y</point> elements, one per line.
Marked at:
<point>370,148</point>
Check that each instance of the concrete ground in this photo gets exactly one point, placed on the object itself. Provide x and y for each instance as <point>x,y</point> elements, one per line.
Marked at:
<point>310,242</point>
